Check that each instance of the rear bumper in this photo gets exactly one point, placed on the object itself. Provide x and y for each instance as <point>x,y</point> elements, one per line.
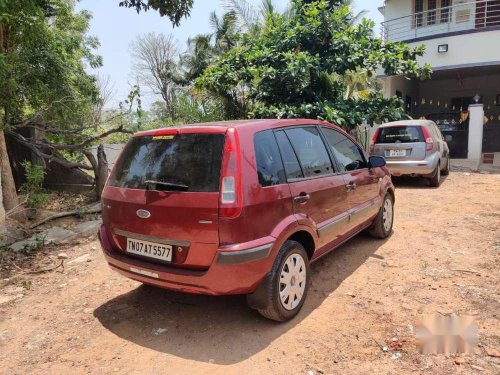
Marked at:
<point>409,167</point>
<point>236,269</point>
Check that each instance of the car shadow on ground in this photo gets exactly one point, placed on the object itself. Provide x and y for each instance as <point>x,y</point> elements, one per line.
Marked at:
<point>221,329</point>
<point>407,182</point>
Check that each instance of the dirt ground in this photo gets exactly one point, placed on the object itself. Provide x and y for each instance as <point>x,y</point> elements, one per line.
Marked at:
<point>442,257</point>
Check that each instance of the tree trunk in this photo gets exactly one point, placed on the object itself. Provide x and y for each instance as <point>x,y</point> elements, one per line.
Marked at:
<point>102,170</point>
<point>8,186</point>
<point>2,210</point>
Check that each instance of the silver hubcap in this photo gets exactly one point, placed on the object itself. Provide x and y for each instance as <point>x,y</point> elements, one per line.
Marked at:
<point>292,281</point>
<point>387,215</point>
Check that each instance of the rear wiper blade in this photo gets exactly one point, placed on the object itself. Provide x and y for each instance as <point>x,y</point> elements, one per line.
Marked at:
<point>167,184</point>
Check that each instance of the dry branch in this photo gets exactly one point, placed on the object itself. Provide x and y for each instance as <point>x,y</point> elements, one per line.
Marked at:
<point>91,210</point>
<point>36,148</point>
<point>82,145</point>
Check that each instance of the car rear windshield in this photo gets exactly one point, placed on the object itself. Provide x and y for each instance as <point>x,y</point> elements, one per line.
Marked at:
<point>403,134</point>
<point>185,162</point>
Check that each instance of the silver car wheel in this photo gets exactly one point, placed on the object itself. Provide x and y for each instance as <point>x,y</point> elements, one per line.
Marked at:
<point>387,214</point>
<point>292,281</point>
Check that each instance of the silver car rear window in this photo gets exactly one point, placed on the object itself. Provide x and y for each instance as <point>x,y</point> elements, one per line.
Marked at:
<point>400,134</point>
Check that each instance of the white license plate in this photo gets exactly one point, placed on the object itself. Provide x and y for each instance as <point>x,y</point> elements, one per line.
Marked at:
<point>149,249</point>
<point>397,152</point>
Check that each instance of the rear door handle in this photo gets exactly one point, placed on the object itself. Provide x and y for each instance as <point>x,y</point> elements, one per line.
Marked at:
<point>302,198</point>
<point>351,186</point>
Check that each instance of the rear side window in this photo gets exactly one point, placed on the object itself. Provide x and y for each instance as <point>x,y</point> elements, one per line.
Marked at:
<point>189,162</point>
<point>292,166</point>
<point>270,168</point>
<point>400,134</point>
<point>310,150</point>
<point>345,151</point>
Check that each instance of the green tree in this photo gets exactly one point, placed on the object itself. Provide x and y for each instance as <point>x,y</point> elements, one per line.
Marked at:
<point>224,31</point>
<point>175,10</point>
<point>44,49</point>
<point>200,53</point>
<point>291,67</point>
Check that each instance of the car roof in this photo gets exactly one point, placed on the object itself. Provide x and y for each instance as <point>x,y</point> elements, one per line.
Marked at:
<point>222,126</point>
<point>407,122</point>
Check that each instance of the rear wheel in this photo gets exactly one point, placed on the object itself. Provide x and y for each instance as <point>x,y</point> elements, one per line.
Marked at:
<point>289,283</point>
<point>382,225</point>
<point>435,180</point>
<point>446,171</point>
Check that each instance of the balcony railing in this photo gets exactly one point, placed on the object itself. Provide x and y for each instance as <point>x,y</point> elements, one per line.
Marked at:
<point>462,17</point>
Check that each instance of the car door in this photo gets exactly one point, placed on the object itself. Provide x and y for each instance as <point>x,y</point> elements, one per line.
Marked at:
<point>443,147</point>
<point>319,194</point>
<point>361,183</point>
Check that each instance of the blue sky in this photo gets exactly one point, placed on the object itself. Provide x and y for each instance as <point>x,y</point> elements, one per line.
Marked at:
<point>117,27</point>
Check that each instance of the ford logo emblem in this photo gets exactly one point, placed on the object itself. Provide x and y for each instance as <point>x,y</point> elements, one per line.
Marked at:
<point>143,214</point>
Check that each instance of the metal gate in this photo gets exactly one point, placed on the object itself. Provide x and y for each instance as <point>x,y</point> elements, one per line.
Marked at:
<point>491,137</point>
<point>455,128</point>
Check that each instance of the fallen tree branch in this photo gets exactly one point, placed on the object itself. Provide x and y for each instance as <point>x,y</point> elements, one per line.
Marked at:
<point>466,271</point>
<point>11,211</point>
<point>48,269</point>
<point>89,140</point>
<point>91,210</point>
<point>35,147</point>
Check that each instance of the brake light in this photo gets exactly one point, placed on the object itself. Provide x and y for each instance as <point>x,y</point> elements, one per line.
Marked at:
<point>231,199</point>
<point>374,140</point>
<point>429,142</point>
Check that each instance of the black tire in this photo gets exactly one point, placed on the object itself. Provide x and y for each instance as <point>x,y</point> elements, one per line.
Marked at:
<point>378,228</point>
<point>446,171</point>
<point>275,309</point>
<point>435,180</point>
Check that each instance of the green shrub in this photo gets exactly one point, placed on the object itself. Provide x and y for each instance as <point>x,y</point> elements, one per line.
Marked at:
<point>33,185</point>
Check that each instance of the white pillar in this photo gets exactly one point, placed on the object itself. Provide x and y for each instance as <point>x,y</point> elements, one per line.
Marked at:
<point>476,122</point>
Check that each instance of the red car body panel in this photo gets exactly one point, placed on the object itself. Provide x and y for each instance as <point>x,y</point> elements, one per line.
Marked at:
<point>203,243</point>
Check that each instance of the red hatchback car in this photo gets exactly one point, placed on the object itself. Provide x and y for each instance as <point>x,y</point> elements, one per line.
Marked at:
<point>240,207</point>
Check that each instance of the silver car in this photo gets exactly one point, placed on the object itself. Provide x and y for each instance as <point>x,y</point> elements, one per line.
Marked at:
<point>413,147</point>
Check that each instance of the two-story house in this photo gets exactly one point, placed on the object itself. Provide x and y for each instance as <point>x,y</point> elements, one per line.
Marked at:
<point>462,39</point>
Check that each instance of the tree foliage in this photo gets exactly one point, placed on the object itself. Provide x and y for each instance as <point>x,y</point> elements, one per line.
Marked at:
<point>175,10</point>
<point>290,67</point>
<point>42,66</point>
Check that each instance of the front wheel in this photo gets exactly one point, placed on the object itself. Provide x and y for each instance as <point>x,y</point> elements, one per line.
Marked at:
<point>382,225</point>
<point>289,283</point>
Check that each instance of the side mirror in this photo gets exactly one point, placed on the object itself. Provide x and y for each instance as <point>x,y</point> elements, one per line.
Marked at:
<point>376,161</point>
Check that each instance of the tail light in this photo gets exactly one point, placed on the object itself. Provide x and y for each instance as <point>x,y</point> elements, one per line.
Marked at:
<point>231,199</point>
<point>429,142</point>
<point>374,140</point>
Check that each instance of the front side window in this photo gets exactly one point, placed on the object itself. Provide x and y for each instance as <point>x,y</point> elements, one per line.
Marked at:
<point>310,151</point>
<point>185,162</point>
<point>345,151</point>
<point>270,168</point>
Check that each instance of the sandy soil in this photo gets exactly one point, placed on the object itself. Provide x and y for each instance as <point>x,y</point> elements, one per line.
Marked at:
<point>443,257</point>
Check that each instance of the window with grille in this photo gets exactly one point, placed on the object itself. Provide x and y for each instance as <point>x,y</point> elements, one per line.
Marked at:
<point>419,16</point>
<point>431,12</point>
<point>445,11</point>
